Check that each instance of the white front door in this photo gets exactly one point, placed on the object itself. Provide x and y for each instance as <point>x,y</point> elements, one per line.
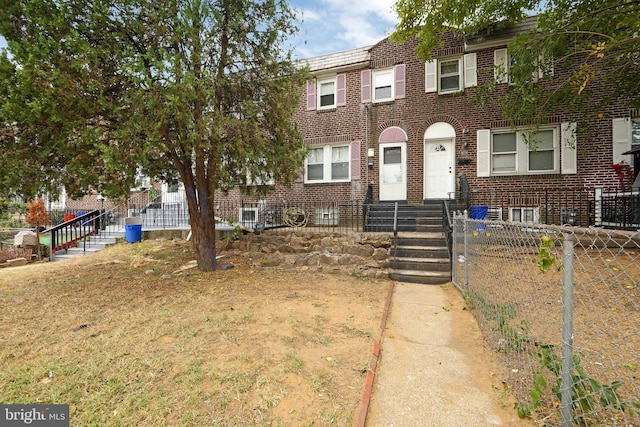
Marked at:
<point>393,171</point>
<point>439,174</point>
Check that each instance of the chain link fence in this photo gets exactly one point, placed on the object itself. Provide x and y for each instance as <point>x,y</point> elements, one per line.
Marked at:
<point>560,308</point>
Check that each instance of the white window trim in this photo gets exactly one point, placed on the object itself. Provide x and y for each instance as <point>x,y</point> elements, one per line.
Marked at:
<point>389,71</point>
<point>460,75</point>
<point>523,151</point>
<point>253,217</point>
<point>535,211</point>
<point>326,165</point>
<point>319,83</point>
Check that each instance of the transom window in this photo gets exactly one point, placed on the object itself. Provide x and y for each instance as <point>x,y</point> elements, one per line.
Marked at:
<point>329,163</point>
<point>383,85</point>
<point>524,152</point>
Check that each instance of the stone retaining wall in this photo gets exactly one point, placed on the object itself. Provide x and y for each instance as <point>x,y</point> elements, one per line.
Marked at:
<point>361,254</point>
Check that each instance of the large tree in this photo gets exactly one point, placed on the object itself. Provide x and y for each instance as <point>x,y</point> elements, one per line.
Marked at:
<point>590,43</point>
<point>201,91</point>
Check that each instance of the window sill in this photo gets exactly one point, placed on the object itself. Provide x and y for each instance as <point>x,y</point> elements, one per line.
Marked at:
<point>343,181</point>
<point>506,174</point>
<point>387,102</point>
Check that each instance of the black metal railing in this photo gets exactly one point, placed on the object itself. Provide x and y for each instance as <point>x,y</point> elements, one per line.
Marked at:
<point>549,206</point>
<point>75,230</point>
<point>336,215</point>
<point>618,209</point>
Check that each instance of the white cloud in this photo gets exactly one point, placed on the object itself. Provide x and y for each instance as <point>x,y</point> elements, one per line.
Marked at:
<point>335,25</point>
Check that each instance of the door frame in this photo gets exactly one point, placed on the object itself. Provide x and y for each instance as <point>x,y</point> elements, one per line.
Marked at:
<point>452,171</point>
<point>439,131</point>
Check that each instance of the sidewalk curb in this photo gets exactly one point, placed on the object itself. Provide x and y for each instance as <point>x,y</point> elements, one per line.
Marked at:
<point>363,407</point>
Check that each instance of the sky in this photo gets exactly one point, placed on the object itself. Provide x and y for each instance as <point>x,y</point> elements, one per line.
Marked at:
<point>329,26</point>
<point>335,25</point>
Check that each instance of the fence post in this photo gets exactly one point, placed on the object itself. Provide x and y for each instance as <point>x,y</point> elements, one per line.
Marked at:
<point>466,252</point>
<point>454,251</point>
<point>566,387</point>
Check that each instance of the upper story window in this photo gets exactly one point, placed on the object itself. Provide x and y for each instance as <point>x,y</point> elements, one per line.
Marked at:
<point>504,62</point>
<point>527,152</point>
<point>383,85</point>
<point>327,92</point>
<point>451,74</point>
<point>329,163</point>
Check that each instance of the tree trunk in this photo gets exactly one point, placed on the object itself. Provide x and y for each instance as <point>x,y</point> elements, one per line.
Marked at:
<point>203,230</point>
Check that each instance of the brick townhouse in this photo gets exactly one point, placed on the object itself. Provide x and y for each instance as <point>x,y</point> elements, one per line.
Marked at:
<point>378,117</point>
<point>383,126</point>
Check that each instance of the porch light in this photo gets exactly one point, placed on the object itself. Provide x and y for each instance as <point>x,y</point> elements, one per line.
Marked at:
<point>371,152</point>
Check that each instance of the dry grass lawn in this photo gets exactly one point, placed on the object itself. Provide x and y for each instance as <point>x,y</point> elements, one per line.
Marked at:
<point>125,339</point>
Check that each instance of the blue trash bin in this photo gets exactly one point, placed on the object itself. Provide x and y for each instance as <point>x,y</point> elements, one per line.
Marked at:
<point>133,229</point>
<point>479,213</point>
<point>133,233</point>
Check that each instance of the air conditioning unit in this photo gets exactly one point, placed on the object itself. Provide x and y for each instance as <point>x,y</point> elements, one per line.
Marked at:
<point>326,216</point>
<point>494,214</point>
<point>525,214</point>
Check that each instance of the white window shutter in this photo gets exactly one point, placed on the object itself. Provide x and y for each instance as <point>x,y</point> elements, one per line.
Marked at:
<point>568,148</point>
<point>400,78</point>
<point>431,76</point>
<point>355,161</point>
<point>341,90</point>
<point>365,86</point>
<point>470,70</point>
<point>311,95</point>
<point>501,66</point>
<point>621,138</point>
<point>484,152</point>
<point>545,66</point>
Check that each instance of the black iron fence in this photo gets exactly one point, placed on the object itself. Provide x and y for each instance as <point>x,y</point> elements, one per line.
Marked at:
<point>551,206</point>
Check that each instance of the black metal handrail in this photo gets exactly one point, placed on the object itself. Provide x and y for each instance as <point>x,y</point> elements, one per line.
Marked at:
<point>447,226</point>
<point>395,230</point>
<point>74,230</point>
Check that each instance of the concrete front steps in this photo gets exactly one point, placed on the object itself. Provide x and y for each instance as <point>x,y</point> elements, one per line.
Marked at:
<point>91,246</point>
<point>420,257</point>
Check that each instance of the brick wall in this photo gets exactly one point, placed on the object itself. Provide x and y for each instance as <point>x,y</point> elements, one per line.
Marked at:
<point>415,113</point>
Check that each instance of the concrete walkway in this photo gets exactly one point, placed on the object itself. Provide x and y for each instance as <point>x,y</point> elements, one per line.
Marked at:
<point>432,368</point>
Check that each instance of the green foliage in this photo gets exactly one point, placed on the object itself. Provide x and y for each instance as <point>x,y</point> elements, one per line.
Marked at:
<point>588,44</point>
<point>586,392</point>
<point>194,90</point>
<point>546,259</point>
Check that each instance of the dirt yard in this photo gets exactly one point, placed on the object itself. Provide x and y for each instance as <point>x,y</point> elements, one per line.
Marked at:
<point>127,338</point>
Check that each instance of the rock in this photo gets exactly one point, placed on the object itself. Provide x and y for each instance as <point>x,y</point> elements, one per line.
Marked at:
<point>327,259</point>
<point>272,260</point>
<point>17,262</point>
<point>380,254</point>
<point>364,251</point>
<point>25,238</point>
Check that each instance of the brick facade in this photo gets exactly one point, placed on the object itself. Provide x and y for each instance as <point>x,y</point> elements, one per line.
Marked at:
<point>365,122</point>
